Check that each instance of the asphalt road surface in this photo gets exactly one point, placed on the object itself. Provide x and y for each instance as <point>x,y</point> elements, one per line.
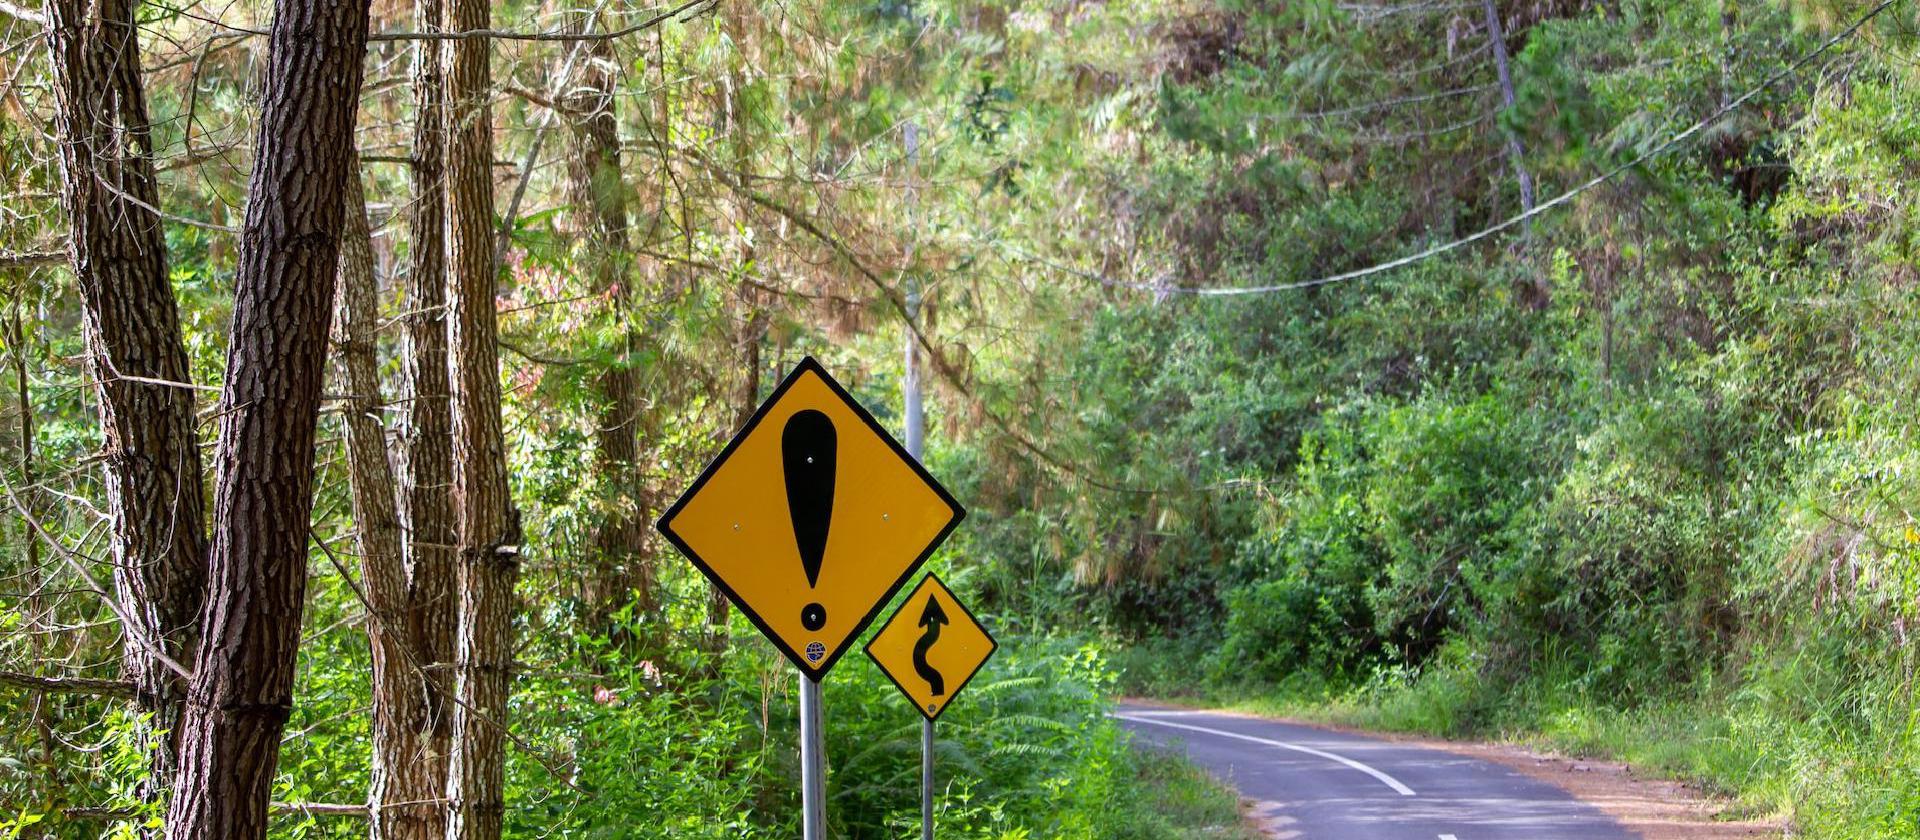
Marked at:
<point>1311,784</point>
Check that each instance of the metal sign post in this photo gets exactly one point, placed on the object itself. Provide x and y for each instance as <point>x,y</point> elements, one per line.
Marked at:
<point>810,520</point>
<point>926,779</point>
<point>916,437</point>
<point>930,649</point>
<point>813,762</point>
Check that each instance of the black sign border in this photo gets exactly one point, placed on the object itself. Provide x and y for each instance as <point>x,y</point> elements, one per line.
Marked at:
<point>993,646</point>
<point>665,523</point>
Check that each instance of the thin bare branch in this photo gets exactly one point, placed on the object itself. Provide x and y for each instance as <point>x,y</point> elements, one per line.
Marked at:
<point>508,35</point>
<point>29,259</point>
<point>22,13</point>
<point>68,685</point>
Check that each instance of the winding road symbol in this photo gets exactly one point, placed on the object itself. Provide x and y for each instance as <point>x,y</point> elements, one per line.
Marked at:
<point>931,647</point>
<point>931,618</point>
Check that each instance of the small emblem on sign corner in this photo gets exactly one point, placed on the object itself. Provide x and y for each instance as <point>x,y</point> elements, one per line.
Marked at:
<point>815,651</point>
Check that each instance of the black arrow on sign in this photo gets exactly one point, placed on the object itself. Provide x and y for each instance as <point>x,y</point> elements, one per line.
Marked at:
<point>931,618</point>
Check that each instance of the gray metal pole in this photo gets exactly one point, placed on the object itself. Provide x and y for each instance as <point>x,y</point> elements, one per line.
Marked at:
<point>926,779</point>
<point>916,445</point>
<point>910,351</point>
<point>916,419</point>
<point>813,762</point>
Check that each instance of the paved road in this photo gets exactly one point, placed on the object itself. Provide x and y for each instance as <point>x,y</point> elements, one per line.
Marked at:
<point>1317,785</point>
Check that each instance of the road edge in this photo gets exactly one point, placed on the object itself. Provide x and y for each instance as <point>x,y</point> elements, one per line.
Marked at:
<point>1654,808</point>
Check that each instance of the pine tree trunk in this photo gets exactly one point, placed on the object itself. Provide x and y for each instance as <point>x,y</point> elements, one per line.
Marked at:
<point>485,521</point>
<point>397,806</point>
<point>134,351</point>
<point>745,403</point>
<point>39,622</point>
<point>600,195</point>
<point>263,493</point>
<point>753,317</point>
<point>427,451</point>
<point>427,459</point>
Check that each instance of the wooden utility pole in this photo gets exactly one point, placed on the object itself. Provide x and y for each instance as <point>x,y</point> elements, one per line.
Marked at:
<point>135,355</point>
<point>242,689</point>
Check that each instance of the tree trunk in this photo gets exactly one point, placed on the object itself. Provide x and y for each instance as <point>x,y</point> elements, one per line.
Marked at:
<point>402,796</point>
<point>427,453</point>
<point>1539,293</point>
<point>40,624</point>
<point>1729,21</point>
<point>599,195</point>
<point>752,319</point>
<point>485,521</point>
<point>427,506</point>
<point>263,492</point>
<point>1516,151</point>
<point>745,403</point>
<point>134,351</point>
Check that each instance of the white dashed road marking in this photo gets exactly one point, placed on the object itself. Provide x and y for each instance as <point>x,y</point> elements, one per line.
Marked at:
<point>1385,779</point>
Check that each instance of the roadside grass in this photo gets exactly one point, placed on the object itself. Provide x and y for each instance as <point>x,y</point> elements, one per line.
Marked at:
<point>1176,800</point>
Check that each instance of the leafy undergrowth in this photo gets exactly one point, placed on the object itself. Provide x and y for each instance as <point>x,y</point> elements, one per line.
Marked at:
<point>693,746</point>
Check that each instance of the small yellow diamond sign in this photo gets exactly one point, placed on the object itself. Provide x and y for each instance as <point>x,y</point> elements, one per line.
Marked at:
<point>811,519</point>
<point>931,647</point>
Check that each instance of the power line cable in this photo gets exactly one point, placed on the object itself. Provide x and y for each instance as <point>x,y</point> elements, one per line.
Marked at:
<point>1668,145</point>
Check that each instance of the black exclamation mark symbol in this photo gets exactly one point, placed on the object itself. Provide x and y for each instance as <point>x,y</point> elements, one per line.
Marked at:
<point>807,449</point>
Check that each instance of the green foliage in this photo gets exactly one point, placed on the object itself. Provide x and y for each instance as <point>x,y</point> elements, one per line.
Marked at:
<point>1636,477</point>
<point>1029,752</point>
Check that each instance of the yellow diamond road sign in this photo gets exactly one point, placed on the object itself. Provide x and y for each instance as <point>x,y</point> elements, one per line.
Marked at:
<point>931,647</point>
<point>811,519</point>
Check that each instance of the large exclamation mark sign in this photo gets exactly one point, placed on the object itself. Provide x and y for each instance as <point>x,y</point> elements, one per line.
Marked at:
<point>808,446</point>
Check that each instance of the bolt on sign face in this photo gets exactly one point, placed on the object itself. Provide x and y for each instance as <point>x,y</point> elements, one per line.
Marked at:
<point>931,647</point>
<point>811,519</point>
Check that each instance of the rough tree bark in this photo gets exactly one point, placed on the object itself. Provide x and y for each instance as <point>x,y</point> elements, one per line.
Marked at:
<point>599,195</point>
<point>396,808</point>
<point>242,686</point>
<point>485,520</point>
<point>134,351</point>
<point>427,464</point>
<point>427,508</point>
